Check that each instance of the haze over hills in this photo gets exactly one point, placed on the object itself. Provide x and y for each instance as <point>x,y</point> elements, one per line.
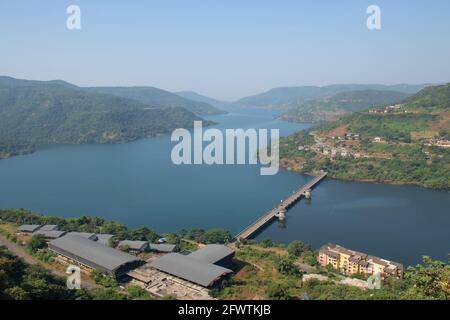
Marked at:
<point>13,82</point>
<point>159,98</point>
<point>332,108</point>
<point>194,96</point>
<point>285,96</point>
<point>34,113</point>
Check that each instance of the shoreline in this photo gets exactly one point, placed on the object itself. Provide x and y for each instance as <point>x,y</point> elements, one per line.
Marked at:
<point>33,149</point>
<point>372,181</point>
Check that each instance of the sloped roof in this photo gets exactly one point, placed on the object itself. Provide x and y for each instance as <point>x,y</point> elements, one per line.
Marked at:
<point>162,247</point>
<point>94,253</point>
<point>104,238</point>
<point>49,227</point>
<point>193,270</point>
<point>87,235</point>
<point>133,245</point>
<point>29,227</point>
<point>52,234</point>
<point>211,253</point>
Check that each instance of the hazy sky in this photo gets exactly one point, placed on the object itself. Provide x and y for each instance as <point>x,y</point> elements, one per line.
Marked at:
<point>226,48</point>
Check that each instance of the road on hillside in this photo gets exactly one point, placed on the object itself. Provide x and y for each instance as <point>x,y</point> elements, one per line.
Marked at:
<point>28,258</point>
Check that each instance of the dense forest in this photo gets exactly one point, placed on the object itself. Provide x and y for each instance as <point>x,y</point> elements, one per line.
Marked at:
<point>34,113</point>
<point>158,98</point>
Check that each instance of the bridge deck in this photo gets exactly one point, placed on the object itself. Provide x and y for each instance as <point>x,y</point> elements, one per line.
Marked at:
<point>285,204</point>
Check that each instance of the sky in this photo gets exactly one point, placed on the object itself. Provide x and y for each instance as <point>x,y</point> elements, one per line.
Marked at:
<point>226,49</point>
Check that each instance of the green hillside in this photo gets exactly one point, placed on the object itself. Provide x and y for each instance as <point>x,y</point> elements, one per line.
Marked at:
<point>287,96</point>
<point>332,108</point>
<point>34,114</point>
<point>408,144</point>
<point>158,98</point>
<point>436,97</point>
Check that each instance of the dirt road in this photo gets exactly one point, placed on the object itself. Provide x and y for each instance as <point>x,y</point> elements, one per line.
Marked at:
<point>28,258</point>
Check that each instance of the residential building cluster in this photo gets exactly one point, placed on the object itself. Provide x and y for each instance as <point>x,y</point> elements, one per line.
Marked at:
<point>331,149</point>
<point>351,262</point>
<point>442,143</point>
<point>388,109</point>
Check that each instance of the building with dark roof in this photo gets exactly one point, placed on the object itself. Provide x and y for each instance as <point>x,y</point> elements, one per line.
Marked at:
<point>134,246</point>
<point>49,227</point>
<point>93,255</point>
<point>50,234</point>
<point>205,266</point>
<point>190,269</point>
<point>87,235</point>
<point>29,228</point>
<point>104,238</point>
<point>162,247</point>
<point>214,253</point>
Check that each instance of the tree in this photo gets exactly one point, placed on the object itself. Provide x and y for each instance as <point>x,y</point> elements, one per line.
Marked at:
<point>136,292</point>
<point>267,243</point>
<point>143,234</point>
<point>295,248</point>
<point>310,259</point>
<point>17,293</point>
<point>286,266</point>
<point>195,234</point>
<point>216,236</point>
<point>107,294</point>
<point>103,280</point>
<point>173,238</point>
<point>430,280</point>
<point>278,291</point>
<point>36,242</point>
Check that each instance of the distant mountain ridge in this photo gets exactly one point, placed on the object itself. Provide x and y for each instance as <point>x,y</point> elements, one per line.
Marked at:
<point>35,113</point>
<point>151,96</point>
<point>159,98</point>
<point>283,97</point>
<point>194,96</point>
<point>330,109</point>
<point>10,81</point>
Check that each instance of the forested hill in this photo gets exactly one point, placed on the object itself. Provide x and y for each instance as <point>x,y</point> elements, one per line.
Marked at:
<point>13,82</point>
<point>434,97</point>
<point>158,98</point>
<point>332,108</point>
<point>406,143</point>
<point>39,113</point>
<point>285,97</point>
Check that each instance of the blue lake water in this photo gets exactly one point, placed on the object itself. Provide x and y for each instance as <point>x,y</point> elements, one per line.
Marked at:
<point>137,184</point>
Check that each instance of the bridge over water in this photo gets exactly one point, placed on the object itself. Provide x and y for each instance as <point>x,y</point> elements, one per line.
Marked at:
<point>280,209</point>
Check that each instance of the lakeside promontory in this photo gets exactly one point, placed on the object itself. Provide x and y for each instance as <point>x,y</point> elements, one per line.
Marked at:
<point>405,143</point>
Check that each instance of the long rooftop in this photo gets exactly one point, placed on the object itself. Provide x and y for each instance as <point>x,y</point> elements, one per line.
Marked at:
<point>91,253</point>
<point>190,269</point>
<point>211,253</point>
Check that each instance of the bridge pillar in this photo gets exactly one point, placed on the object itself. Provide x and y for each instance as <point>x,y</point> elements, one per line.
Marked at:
<point>307,194</point>
<point>281,215</point>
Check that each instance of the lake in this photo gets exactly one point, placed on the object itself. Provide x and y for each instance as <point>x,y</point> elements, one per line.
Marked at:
<point>137,184</point>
